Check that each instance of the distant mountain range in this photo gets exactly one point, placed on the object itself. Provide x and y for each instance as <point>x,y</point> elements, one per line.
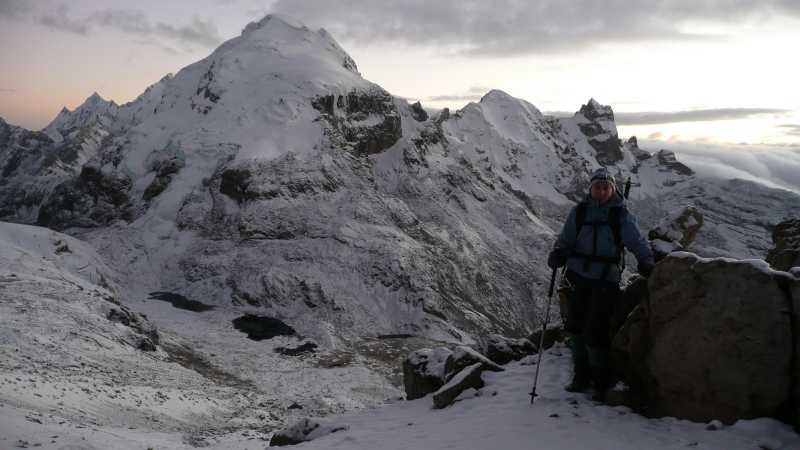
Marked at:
<point>270,177</point>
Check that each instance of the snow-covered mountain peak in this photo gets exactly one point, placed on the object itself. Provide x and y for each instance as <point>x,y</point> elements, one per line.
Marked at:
<point>94,106</point>
<point>593,110</point>
<point>291,38</point>
<point>95,99</point>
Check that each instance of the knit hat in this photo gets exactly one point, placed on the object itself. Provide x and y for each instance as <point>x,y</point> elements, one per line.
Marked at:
<point>602,175</point>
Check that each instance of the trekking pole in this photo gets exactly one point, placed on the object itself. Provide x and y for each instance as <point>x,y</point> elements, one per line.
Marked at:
<point>544,329</point>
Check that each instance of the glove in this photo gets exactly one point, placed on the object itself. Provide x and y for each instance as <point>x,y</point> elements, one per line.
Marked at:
<point>557,258</point>
<point>645,268</point>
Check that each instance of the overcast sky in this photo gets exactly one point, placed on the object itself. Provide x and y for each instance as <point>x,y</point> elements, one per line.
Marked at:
<point>707,71</point>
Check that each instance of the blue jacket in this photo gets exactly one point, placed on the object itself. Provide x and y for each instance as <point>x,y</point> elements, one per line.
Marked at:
<point>606,247</point>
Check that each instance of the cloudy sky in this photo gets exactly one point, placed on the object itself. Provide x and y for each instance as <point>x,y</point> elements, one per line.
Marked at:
<point>675,71</point>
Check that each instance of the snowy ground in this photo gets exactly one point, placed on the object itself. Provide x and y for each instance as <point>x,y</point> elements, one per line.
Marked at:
<point>498,416</point>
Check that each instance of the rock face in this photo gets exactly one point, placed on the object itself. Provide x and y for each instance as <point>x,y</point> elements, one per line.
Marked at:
<point>95,198</point>
<point>714,340</point>
<point>599,127</point>
<point>368,122</point>
<point>786,253</point>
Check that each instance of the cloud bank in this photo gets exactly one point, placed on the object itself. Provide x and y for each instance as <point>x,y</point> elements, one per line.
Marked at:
<point>772,166</point>
<point>517,27</point>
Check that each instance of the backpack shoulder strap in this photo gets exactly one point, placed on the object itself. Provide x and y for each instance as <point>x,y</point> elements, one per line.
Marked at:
<point>615,219</point>
<point>580,217</point>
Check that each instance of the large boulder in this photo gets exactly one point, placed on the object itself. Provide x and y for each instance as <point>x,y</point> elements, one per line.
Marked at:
<point>463,357</point>
<point>469,377</point>
<point>786,253</point>
<point>424,371</point>
<point>714,340</point>
<point>503,350</point>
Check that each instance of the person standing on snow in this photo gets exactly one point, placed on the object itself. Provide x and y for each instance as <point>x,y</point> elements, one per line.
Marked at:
<point>591,246</point>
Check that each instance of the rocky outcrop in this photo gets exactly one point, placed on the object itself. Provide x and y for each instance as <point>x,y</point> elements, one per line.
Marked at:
<point>165,164</point>
<point>503,350</point>
<point>96,197</point>
<point>601,131</point>
<point>714,339</point>
<point>304,430</point>
<point>362,122</point>
<point>786,253</point>
<point>424,371</point>
<point>667,159</point>
<point>285,177</point>
<point>428,370</point>
<point>144,334</point>
<point>676,231</point>
<point>418,113</point>
<point>469,377</point>
<point>632,145</point>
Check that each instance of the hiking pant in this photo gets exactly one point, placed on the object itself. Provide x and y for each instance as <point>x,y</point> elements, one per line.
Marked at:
<point>590,306</point>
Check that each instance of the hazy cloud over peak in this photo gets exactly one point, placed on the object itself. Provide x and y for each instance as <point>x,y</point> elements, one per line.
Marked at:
<point>473,93</point>
<point>516,27</point>
<point>129,21</point>
<point>61,20</point>
<point>199,32</point>
<point>12,9</point>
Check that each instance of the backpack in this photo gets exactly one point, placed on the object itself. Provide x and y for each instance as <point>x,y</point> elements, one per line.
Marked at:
<point>615,221</point>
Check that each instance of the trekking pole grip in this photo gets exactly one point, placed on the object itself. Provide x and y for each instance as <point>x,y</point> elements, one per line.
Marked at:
<point>552,282</point>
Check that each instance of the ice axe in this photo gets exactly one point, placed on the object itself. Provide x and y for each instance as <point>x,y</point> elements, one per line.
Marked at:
<point>544,329</point>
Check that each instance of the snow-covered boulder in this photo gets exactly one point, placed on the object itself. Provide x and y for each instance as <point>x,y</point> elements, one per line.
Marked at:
<point>553,333</point>
<point>424,371</point>
<point>714,340</point>
<point>427,370</point>
<point>503,350</point>
<point>786,253</point>
<point>676,231</point>
<point>466,378</point>
<point>304,430</point>
<point>463,357</point>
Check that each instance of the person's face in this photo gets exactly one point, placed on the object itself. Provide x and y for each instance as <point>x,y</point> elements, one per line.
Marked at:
<point>602,191</point>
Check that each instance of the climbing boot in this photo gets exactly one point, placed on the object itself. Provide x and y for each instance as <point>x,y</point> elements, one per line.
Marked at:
<point>581,378</point>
